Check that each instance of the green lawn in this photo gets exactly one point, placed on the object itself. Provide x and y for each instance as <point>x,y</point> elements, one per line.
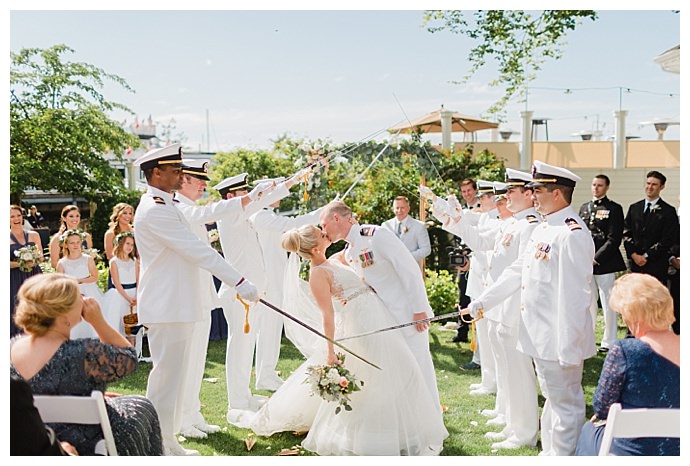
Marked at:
<point>462,419</point>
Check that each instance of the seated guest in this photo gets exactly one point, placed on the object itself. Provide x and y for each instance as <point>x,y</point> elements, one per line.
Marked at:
<point>640,372</point>
<point>49,306</point>
<point>28,435</point>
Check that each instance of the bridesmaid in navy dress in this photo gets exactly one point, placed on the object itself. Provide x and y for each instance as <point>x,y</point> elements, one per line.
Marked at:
<point>18,239</point>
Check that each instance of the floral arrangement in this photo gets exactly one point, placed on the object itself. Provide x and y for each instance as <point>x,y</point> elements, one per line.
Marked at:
<point>27,256</point>
<point>214,239</point>
<point>122,234</point>
<point>319,156</point>
<point>333,383</point>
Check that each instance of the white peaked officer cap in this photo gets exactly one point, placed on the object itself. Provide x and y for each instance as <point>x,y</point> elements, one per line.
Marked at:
<point>517,178</point>
<point>500,190</point>
<point>167,155</point>
<point>484,187</point>
<point>196,168</point>
<point>233,183</point>
<point>543,173</point>
<point>277,180</point>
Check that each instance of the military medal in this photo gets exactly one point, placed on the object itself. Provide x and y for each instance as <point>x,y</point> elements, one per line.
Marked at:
<point>542,251</point>
<point>366,258</point>
<point>507,238</point>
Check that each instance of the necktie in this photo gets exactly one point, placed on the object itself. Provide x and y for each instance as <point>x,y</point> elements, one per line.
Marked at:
<point>646,209</point>
<point>399,232</point>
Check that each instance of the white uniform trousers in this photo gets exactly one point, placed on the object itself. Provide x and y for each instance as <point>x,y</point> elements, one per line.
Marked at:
<point>270,330</point>
<point>170,345</point>
<point>418,343</point>
<point>601,287</point>
<point>500,370</point>
<point>522,404</point>
<point>488,363</point>
<point>564,409</point>
<point>239,355</point>
<point>191,412</point>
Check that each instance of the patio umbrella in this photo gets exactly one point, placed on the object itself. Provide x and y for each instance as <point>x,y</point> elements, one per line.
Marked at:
<point>431,123</point>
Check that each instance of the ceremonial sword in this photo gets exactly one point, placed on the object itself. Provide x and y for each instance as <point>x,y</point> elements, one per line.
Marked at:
<point>313,330</point>
<point>461,312</point>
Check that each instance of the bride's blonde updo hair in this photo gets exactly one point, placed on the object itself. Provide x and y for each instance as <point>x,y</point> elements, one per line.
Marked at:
<point>43,298</point>
<point>301,240</point>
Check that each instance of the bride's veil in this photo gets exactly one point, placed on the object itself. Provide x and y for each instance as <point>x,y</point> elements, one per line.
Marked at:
<point>299,302</point>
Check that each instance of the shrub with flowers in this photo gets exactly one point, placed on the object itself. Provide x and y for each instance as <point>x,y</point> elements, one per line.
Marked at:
<point>28,256</point>
<point>333,383</point>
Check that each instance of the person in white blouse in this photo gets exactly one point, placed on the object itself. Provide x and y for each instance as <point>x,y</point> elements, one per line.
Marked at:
<point>411,231</point>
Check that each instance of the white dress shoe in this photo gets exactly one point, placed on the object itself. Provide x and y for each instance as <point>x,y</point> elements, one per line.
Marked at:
<point>175,449</point>
<point>482,391</point>
<point>495,436</point>
<point>271,384</point>
<point>207,428</point>
<point>489,412</point>
<point>499,420</point>
<point>192,432</point>
<point>506,445</point>
<point>474,386</point>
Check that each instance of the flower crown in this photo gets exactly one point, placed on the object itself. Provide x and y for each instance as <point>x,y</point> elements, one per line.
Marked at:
<point>123,235</point>
<point>68,233</point>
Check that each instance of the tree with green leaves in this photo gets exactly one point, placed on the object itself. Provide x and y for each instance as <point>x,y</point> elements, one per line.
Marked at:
<point>59,127</point>
<point>518,41</point>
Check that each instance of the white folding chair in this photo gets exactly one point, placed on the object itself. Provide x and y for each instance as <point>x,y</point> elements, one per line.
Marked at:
<point>639,422</point>
<point>78,410</point>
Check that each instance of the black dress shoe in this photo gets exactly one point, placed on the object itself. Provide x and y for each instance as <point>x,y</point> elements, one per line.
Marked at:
<point>603,349</point>
<point>470,366</point>
<point>459,339</point>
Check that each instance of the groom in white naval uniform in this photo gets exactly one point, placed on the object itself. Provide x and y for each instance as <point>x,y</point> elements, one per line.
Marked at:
<point>389,268</point>
<point>170,256</point>
<point>194,179</point>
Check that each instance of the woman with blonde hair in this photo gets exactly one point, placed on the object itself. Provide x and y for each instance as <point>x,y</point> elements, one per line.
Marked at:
<point>639,372</point>
<point>49,307</point>
<point>70,219</point>
<point>120,221</point>
<point>394,413</point>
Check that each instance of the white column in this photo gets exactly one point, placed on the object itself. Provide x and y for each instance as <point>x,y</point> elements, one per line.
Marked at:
<point>619,149</point>
<point>446,124</point>
<point>526,143</point>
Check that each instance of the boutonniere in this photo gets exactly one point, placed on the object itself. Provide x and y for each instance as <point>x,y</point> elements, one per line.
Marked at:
<point>405,229</point>
<point>655,208</point>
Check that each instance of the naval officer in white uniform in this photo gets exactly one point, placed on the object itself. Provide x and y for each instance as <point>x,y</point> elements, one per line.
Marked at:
<point>389,268</point>
<point>170,256</point>
<point>556,330</point>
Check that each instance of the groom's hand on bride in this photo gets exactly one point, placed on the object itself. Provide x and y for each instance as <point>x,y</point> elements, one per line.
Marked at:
<point>421,326</point>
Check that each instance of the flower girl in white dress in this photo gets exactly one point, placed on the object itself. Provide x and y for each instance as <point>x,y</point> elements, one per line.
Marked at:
<point>77,264</point>
<point>394,413</point>
<point>124,272</point>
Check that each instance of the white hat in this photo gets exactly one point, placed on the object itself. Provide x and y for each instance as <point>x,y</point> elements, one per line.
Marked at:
<point>233,183</point>
<point>277,180</point>
<point>171,154</point>
<point>543,173</point>
<point>517,178</point>
<point>196,168</point>
<point>500,190</point>
<point>484,187</point>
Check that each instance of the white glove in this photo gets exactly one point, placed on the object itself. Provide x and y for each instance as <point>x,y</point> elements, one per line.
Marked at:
<point>302,172</point>
<point>247,291</point>
<point>261,190</point>
<point>336,198</point>
<point>454,207</point>
<point>426,192</point>
<point>438,211</point>
<point>474,308</point>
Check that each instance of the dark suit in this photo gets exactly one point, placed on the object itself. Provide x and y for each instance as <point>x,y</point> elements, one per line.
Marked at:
<point>653,234</point>
<point>605,221</point>
<point>28,435</point>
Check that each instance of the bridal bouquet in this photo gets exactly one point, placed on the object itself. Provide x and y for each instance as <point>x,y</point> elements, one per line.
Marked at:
<point>27,256</point>
<point>214,239</point>
<point>333,383</point>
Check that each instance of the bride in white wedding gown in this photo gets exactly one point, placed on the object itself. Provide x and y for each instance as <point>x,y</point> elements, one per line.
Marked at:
<point>394,413</point>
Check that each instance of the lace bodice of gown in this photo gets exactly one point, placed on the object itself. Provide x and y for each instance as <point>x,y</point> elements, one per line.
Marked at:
<point>347,285</point>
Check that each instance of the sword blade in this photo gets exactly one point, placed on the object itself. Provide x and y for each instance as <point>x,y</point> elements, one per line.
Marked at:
<point>313,330</point>
<point>408,324</point>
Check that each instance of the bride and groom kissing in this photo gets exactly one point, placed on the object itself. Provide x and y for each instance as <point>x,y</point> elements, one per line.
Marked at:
<point>373,283</point>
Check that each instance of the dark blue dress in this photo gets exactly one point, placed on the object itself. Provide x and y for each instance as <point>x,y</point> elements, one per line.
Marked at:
<point>636,377</point>
<point>80,366</point>
<point>17,277</point>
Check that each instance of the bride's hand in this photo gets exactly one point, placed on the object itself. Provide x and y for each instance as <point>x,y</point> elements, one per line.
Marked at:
<point>332,359</point>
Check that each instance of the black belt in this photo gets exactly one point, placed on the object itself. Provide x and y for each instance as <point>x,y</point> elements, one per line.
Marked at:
<point>129,286</point>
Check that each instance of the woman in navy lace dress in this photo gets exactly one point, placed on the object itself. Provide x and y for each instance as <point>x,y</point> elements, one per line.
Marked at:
<point>640,372</point>
<point>49,306</point>
<point>18,239</point>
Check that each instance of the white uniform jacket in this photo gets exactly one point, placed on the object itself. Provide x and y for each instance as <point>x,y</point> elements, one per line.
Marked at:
<point>170,256</point>
<point>413,234</point>
<point>555,273</point>
<point>388,267</point>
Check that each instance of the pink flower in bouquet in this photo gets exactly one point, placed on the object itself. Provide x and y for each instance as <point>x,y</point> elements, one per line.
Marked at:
<point>344,382</point>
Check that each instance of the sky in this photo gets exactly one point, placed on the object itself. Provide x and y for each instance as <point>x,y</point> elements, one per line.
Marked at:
<point>346,76</point>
